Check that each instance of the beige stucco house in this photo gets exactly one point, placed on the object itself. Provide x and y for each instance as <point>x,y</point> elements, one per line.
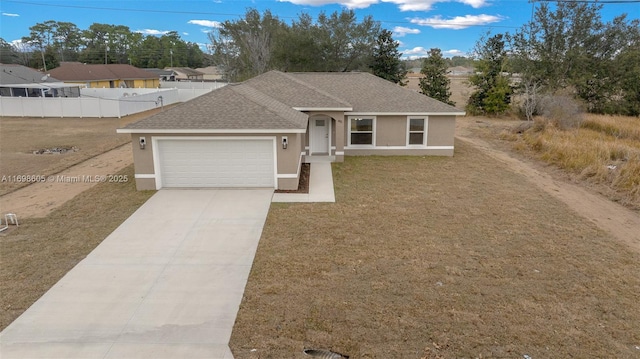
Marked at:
<point>259,132</point>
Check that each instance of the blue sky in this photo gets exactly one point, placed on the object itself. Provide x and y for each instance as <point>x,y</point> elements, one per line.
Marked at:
<point>451,25</point>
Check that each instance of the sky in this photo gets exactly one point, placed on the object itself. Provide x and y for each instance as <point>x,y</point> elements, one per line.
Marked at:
<point>453,26</point>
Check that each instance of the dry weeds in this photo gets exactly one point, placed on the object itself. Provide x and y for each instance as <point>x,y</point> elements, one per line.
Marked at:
<point>604,150</point>
<point>438,258</point>
<point>40,251</point>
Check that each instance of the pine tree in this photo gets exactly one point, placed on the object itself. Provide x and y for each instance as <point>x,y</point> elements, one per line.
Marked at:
<point>386,59</point>
<point>493,91</point>
<point>435,82</point>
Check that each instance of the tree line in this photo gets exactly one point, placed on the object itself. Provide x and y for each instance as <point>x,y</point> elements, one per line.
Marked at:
<point>567,50</point>
<point>258,42</point>
<point>52,42</point>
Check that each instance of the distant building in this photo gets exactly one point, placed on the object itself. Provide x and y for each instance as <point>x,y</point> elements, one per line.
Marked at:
<point>211,73</point>
<point>105,75</point>
<point>164,75</point>
<point>186,74</point>
<point>460,71</point>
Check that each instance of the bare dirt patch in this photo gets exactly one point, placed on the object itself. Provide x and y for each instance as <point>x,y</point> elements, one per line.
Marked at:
<point>438,258</point>
<point>584,198</point>
<point>39,199</point>
<point>20,137</point>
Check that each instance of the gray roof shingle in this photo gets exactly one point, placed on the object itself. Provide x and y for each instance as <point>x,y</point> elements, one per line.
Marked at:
<point>233,107</point>
<point>18,74</point>
<point>269,101</point>
<point>294,92</point>
<point>369,93</point>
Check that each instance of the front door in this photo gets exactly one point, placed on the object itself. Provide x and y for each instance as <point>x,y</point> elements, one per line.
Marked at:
<point>319,135</point>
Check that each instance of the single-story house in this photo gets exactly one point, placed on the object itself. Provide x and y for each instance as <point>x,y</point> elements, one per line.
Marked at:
<point>211,73</point>
<point>105,75</point>
<point>259,132</point>
<point>22,81</point>
<point>186,74</point>
<point>163,75</point>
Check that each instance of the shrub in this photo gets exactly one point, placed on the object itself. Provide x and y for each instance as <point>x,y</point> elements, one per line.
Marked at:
<point>563,111</point>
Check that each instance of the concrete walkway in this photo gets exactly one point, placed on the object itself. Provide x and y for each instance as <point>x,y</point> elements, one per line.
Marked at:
<point>320,186</point>
<point>167,283</point>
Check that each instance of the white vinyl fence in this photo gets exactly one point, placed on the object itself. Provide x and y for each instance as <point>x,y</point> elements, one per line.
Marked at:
<point>186,85</point>
<point>97,102</point>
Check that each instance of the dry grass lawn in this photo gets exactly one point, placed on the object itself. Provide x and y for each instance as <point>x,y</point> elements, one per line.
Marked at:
<point>438,258</point>
<point>34,256</point>
<point>19,137</point>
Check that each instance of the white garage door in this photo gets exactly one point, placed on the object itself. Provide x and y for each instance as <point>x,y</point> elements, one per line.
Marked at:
<point>216,162</point>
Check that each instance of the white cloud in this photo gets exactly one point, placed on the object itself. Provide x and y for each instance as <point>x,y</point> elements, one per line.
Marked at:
<point>9,14</point>
<point>453,52</point>
<point>185,33</point>
<point>152,32</point>
<point>206,23</point>
<point>416,51</point>
<point>400,31</point>
<point>403,5</point>
<point>351,4</point>
<point>419,52</point>
<point>426,5</point>
<point>456,23</point>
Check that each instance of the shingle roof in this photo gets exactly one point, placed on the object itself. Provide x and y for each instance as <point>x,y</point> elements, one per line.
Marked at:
<point>160,72</point>
<point>228,108</point>
<point>372,94</point>
<point>96,72</point>
<point>185,70</point>
<point>274,100</point>
<point>18,74</point>
<point>296,93</point>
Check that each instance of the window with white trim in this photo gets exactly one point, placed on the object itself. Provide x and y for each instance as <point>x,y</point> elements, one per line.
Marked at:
<point>362,131</point>
<point>416,131</point>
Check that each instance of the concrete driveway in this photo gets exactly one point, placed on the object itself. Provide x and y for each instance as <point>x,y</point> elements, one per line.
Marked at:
<point>167,283</point>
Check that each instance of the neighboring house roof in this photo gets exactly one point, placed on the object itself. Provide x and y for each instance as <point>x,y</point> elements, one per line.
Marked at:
<point>99,72</point>
<point>18,74</point>
<point>161,72</point>
<point>273,101</point>
<point>185,70</point>
<point>209,70</point>
<point>233,107</point>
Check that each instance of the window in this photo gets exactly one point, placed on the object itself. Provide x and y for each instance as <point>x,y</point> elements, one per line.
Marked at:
<point>416,135</point>
<point>361,131</point>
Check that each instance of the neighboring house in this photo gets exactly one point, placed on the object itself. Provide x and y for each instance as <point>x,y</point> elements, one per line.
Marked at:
<point>164,75</point>
<point>460,71</point>
<point>105,76</point>
<point>186,74</point>
<point>211,73</point>
<point>22,81</point>
<point>259,132</point>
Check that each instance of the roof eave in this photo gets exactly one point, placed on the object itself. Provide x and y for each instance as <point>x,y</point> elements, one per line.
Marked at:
<point>310,109</point>
<point>360,113</point>
<point>210,131</point>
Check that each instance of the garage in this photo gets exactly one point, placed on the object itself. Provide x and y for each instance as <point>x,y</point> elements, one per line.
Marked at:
<point>190,162</point>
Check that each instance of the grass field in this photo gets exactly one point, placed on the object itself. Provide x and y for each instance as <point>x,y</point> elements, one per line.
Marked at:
<point>438,258</point>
